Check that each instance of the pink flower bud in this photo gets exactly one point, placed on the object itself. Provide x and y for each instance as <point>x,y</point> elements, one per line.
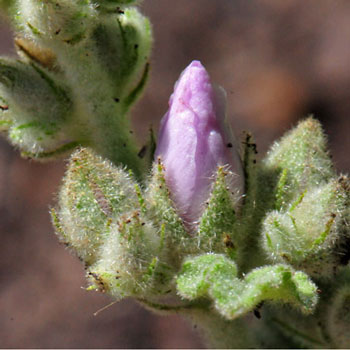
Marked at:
<point>194,139</point>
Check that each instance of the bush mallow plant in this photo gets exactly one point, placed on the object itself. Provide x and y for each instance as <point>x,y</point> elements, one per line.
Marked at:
<point>254,252</point>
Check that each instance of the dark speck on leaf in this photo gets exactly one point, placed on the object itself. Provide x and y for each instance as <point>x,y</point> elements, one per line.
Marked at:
<point>142,152</point>
<point>257,314</point>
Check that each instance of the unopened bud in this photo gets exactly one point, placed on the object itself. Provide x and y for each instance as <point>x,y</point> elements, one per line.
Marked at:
<point>93,196</point>
<point>35,107</point>
<point>193,142</point>
<point>312,233</point>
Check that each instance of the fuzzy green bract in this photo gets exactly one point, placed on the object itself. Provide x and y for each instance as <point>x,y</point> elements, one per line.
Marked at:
<point>93,195</point>
<point>216,230</point>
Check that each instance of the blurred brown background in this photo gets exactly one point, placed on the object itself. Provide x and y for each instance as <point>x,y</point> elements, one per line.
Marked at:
<point>278,60</point>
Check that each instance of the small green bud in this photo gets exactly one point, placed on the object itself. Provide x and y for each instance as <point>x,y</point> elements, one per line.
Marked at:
<point>112,49</point>
<point>35,108</point>
<point>122,46</point>
<point>312,232</point>
<point>302,159</point>
<point>93,196</point>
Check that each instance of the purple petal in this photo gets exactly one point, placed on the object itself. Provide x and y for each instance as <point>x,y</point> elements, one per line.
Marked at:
<point>194,139</point>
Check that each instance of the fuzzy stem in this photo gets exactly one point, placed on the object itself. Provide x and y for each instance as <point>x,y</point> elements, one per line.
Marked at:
<point>217,332</point>
<point>220,333</point>
<point>119,150</point>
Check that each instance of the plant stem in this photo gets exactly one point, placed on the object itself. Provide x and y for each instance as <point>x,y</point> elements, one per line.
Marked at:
<point>219,333</point>
<point>119,147</point>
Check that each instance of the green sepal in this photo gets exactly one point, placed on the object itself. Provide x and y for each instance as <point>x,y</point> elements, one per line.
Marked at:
<point>129,265</point>
<point>217,223</point>
<point>215,276</point>
<point>177,239</point>
<point>93,196</point>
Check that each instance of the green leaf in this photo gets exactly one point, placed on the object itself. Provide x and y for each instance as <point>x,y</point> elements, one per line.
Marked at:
<point>215,276</point>
<point>199,274</point>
